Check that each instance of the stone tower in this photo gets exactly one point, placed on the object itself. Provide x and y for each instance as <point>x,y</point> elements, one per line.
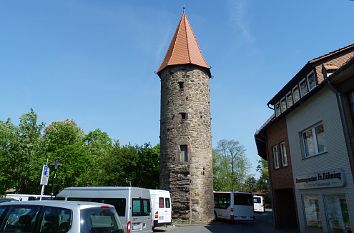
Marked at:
<point>185,133</point>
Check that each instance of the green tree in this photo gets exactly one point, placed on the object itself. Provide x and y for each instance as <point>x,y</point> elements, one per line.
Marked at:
<point>9,147</point>
<point>29,157</point>
<point>263,184</point>
<point>133,165</point>
<point>64,142</point>
<point>250,184</point>
<point>99,147</point>
<point>238,164</point>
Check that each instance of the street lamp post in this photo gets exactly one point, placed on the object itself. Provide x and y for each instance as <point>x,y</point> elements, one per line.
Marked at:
<point>56,164</point>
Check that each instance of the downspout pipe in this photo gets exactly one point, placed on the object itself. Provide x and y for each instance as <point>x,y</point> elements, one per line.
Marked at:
<point>339,96</point>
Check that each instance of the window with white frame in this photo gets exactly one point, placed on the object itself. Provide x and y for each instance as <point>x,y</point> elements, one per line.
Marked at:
<point>277,109</point>
<point>283,104</point>
<point>303,87</point>
<point>313,140</point>
<point>296,94</point>
<point>275,157</point>
<point>284,158</point>
<point>289,99</point>
<point>311,80</point>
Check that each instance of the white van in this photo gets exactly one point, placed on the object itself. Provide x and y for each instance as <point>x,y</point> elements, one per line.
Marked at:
<point>160,207</point>
<point>258,203</point>
<point>131,203</point>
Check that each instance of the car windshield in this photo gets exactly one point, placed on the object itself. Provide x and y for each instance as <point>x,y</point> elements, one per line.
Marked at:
<point>100,220</point>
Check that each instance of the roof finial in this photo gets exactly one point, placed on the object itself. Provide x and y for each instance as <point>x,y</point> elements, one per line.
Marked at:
<point>184,8</point>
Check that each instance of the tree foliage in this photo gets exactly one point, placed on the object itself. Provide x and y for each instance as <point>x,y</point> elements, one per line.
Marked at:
<point>231,166</point>
<point>91,159</point>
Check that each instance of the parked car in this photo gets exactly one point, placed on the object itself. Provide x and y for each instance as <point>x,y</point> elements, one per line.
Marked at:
<point>131,203</point>
<point>59,216</point>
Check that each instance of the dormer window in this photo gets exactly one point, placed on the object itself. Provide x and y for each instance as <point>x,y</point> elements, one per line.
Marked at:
<point>277,109</point>
<point>303,87</point>
<point>283,104</point>
<point>289,99</point>
<point>296,94</point>
<point>311,80</point>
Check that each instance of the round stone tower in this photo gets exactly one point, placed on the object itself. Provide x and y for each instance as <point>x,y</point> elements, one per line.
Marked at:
<point>185,132</point>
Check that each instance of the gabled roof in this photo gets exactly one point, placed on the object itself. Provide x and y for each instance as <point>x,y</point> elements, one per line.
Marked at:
<point>184,48</point>
<point>310,65</point>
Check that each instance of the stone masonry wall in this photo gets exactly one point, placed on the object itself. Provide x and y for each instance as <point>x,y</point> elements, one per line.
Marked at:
<point>190,183</point>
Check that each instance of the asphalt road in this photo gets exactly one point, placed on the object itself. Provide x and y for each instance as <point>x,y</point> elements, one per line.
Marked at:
<point>263,224</point>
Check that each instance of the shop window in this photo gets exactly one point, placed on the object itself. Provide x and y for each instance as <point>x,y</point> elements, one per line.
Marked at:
<point>183,156</point>
<point>303,87</point>
<point>275,157</point>
<point>284,158</point>
<point>337,213</point>
<point>277,109</point>
<point>311,80</point>
<point>312,211</point>
<point>296,94</point>
<point>289,99</point>
<point>283,104</point>
<point>313,141</point>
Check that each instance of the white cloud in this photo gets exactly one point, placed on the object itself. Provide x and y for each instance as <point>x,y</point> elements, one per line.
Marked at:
<point>238,11</point>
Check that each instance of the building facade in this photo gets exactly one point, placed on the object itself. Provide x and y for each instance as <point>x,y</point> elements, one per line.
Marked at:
<point>315,110</point>
<point>185,128</point>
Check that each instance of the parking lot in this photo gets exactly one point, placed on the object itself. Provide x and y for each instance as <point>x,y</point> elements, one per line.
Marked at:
<point>263,224</point>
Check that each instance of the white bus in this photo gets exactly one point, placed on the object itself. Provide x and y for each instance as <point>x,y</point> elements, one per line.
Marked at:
<point>132,203</point>
<point>234,206</point>
<point>28,197</point>
<point>161,209</point>
<point>258,203</point>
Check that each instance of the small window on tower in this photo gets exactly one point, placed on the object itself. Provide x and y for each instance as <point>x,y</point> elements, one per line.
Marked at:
<point>181,85</point>
<point>183,154</point>
<point>183,115</point>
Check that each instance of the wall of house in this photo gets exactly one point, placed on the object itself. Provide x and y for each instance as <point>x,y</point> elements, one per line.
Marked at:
<point>283,200</point>
<point>322,107</point>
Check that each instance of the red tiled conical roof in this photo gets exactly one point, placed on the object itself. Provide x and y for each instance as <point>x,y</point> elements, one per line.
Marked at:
<point>184,48</point>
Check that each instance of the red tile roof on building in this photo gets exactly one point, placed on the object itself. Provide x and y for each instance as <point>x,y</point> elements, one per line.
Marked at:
<point>331,53</point>
<point>184,48</point>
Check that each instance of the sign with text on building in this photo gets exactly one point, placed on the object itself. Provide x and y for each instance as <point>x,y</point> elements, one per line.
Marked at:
<point>321,179</point>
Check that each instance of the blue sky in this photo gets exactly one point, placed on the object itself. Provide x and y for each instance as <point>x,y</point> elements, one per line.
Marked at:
<point>93,61</point>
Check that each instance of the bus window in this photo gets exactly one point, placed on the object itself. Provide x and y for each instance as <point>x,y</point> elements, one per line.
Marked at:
<point>118,203</point>
<point>141,207</point>
<point>243,199</point>
<point>222,200</point>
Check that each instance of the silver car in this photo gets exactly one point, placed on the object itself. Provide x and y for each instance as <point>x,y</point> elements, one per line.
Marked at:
<point>59,217</point>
